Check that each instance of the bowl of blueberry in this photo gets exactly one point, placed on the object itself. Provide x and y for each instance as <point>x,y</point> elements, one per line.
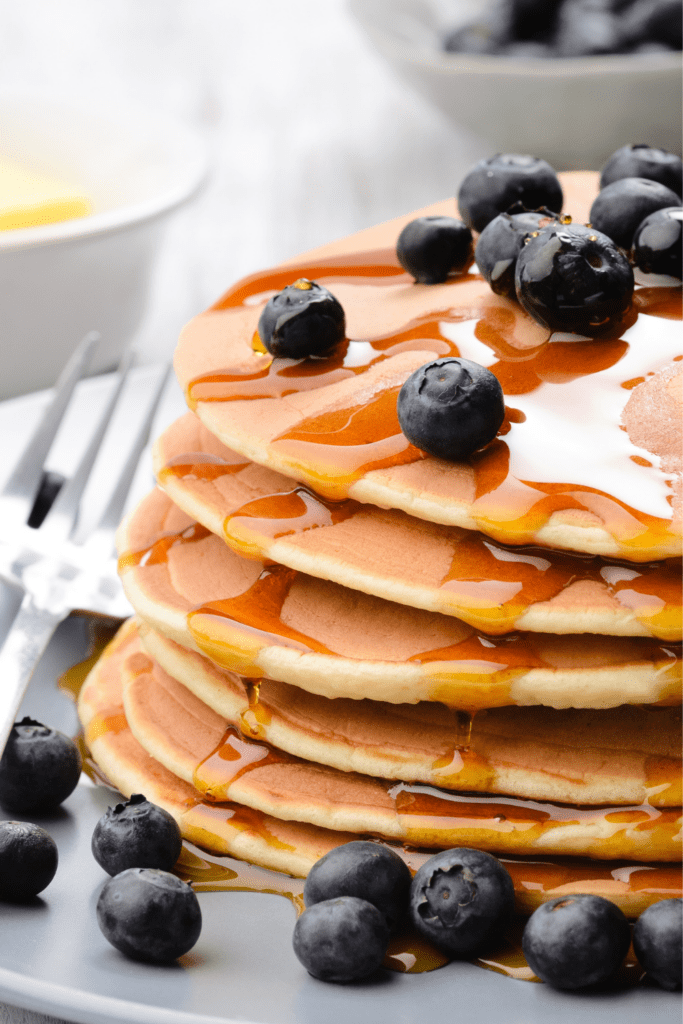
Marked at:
<point>567,80</point>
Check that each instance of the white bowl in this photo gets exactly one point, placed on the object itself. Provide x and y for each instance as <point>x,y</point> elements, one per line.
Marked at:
<point>573,112</point>
<point>59,281</point>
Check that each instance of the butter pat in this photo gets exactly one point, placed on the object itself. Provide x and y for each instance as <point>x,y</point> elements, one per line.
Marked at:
<point>29,199</point>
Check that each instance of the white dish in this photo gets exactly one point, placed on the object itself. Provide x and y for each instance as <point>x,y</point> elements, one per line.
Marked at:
<point>573,112</point>
<point>59,281</point>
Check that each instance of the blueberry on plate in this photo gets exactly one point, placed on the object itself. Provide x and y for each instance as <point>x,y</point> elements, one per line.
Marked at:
<point>657,942</point>
<point>573,278</point>
<point>642,161</point>
<point>585,28</point>
<point>460,899</point>
<point>494,184</point>
<point>149,914</point>
<point>342,939</point>
<point>576,941</point>
<point>451,408</point>
<point>500,243</point>
<point>657,243</point>
<point>28,860</point>
<point>367,870</point>
<point>39,768</point>
<point>620,207</point>
<point>435,248</point>
<point>304,319</point>
<point>136,834</point>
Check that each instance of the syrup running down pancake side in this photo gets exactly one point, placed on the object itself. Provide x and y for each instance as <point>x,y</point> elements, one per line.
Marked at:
<point>579,462</point>
<point>272,621</point>
<point>263,515</point>
<point>293,847</point>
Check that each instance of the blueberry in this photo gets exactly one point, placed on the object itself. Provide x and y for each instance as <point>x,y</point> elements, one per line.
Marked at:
<point>343,939</point>
<point>575,941</point>
<point>494,184</point>
<point>460,899</point>
<point>149,914</point>
<point>642,161</point>
<point>573,278</point>
<point>28,860</point>
<point>620,207</point>
<point>500,243</point>
<point>367,870</point>
<point>136,834</point>
<point>587,27</point>
<point>304,319</point>
<point>39,768</point>
<point>478,37</point>
<point>451,408</point>
<point>658,21</point>
<point>657,942</point>
<point>657,243</point>
<point>434,248</point>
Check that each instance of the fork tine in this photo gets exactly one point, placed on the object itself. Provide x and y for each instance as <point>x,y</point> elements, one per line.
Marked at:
<point>62,519</point>
<point>22,484</point>
<point>103,534</point>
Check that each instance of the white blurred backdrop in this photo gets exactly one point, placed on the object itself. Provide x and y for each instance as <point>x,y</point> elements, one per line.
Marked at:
<point>311,135</point>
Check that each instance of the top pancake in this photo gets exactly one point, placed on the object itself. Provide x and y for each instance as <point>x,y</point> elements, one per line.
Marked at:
<point>588,457</point>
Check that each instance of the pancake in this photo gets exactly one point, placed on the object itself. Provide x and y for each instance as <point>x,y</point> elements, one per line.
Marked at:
<point>422,814</point>
<point>190,586</point>
<point>293,847</point>
<point>589,455</point>
<point>390,554</point>
<point>625,756</point>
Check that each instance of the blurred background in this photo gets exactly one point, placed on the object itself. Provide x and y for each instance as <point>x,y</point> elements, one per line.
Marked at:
<point>310,133</point>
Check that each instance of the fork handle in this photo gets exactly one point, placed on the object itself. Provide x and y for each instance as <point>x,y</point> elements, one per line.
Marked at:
<point>30,634</point>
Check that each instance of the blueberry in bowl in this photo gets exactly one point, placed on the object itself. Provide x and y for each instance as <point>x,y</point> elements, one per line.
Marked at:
<point>570,277</point>
<point>304,319</point>
<point>642,161</point>
<point>500,243</point>
<point>576,941</point>
<point>621,206</point>
<point>451,408</point>
<point>149,914</point>
<point>435,248</point>
<point>343,939</point>
<point>657,243</point>
<point>497,182</point>
<point>366,870</point>
<point>39,768</point>
<point>657,942</point>
<point>136,834</point>
<point>461,899</point>
<point>28,860</point>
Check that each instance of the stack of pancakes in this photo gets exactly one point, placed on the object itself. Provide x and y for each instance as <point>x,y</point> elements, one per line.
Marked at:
<point>337,635</point>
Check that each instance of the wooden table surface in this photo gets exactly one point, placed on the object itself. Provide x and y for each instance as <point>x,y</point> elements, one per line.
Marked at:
<point>312,137</point>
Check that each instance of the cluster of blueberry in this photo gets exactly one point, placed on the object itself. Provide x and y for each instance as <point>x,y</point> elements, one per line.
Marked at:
<point>568,277</point>
<point>460,900</point>
<point>356,896</point>
<point>570,28</point>
<point>143,910</point>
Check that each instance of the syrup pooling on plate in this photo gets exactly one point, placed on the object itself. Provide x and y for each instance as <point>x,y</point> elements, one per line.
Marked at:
<point>489,585</point>
<point>522,479</point>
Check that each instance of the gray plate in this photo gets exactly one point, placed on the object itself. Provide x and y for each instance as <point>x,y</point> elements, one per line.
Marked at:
<point>54,960</point>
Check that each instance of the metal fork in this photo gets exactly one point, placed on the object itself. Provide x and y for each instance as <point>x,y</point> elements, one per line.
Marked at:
<point>58,569</point>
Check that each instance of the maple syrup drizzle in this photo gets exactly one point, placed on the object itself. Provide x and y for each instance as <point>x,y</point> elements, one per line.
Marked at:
<point>232,632</point>
<point>491,585</point>
<point>334,450</point>
<point>407,952</point>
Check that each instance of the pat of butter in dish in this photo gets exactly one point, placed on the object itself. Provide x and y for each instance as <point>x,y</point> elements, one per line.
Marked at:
<point>29,199</point>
